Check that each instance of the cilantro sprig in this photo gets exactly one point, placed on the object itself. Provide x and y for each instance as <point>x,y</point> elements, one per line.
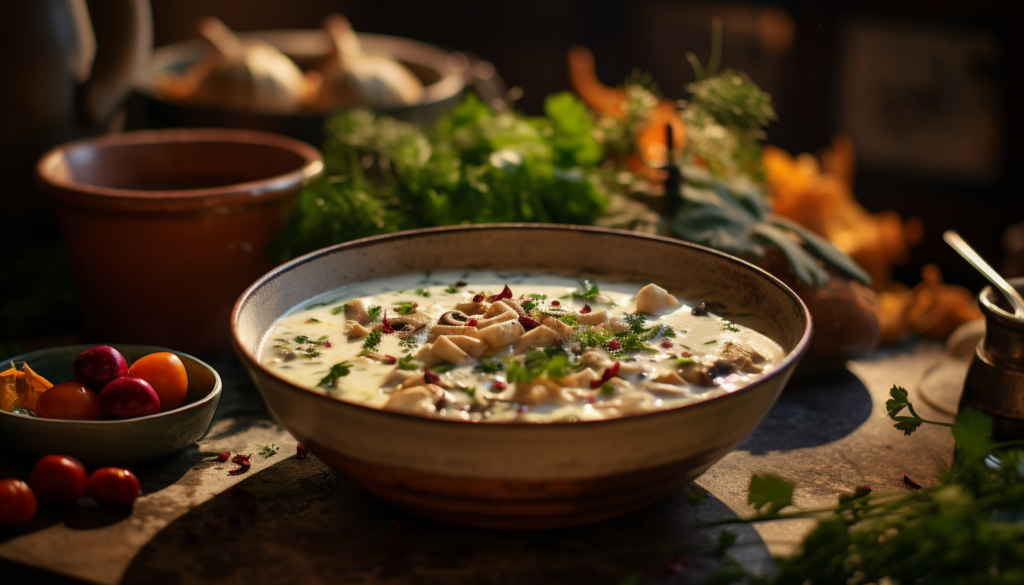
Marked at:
<point>372,341</point>
<point>338,371</point>
<point>374,312</point>
<point>550,362</point>
<point>590,291</point>
<point>908,424</point>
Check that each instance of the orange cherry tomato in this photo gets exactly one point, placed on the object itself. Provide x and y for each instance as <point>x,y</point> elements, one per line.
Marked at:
<point>166,374</point>
<point>69,401</point>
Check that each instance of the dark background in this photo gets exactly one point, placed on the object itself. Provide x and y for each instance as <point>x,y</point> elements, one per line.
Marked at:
<point>950,78</point>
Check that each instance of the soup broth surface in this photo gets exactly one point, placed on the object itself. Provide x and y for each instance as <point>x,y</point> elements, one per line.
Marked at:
<point>503,346</point>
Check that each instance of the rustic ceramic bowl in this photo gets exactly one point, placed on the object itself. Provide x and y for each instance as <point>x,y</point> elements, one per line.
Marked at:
<point>112,442</point>
<point>519,476</point>
<point>166,228</point>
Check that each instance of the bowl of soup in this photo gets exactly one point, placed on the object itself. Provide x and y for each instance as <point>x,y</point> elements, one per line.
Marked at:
<point>519,376</point>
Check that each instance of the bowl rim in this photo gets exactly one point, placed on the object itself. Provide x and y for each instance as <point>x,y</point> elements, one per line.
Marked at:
<point>46,169</point>
<point>218,386</point>
<point>789,361</point>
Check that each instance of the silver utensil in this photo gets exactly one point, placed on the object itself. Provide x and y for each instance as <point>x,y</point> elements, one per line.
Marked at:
<point>957,243</point>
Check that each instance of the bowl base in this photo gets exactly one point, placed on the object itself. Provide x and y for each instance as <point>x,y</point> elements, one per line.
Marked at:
<point>507,504</point>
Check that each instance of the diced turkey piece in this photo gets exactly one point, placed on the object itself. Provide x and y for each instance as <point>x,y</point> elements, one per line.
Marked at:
<point>355,329</point>
<point>356,311</point>
<point>593,318</point>
<point>471,345</point>
<point>618,324</point>
<point>499,318</point>
<point>652,299</point>
<point>497,309</point>
<point>733,348</point>
<point>439,330</point>
<point>580,379</point>
<point>564,331</point>
<point>538,337</point>
<point>471,308</point>
<point>416,400</point>
<point>426,355</point>
<point>447,351</point>
<point>502,334</point>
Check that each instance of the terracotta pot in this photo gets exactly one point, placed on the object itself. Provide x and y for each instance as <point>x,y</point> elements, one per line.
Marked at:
<point>520,475</point>
<point>165,228</point>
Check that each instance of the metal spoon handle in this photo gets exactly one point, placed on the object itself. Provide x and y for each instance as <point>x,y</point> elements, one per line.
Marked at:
<point>957,243</point>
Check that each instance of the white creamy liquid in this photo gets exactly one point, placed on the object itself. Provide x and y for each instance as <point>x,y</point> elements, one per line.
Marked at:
<point>702,339</point>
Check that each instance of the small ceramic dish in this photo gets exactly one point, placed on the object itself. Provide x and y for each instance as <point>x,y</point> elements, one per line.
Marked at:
<point>112,442</point>
<point>519,476</point>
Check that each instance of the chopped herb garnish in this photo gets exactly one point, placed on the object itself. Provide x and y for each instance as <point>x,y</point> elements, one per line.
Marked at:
<point>409,343</point>
<point>607,390</point>
<point>374,312</point>
<point>537,296</point>
<point>590,291</point>
<point>685,361</point>
<point>372,341</point>
<point>310,352</point>
<point>406,308</point>
<point>590,338</point>
<point>489,366</point>
<point>710,342</point>
<point>339,309</point>
<point>338,370</point>
<point>451,290</point>
<point>551,362</point>
<point>313,320</point>
<point>570,320</point>
<point>408,363</point>
<point>529,305</point>
<point>728,325</point>
<point>443,367</point>
<point>471,391</point>
<point>423,292</point>
<point>269,450</point>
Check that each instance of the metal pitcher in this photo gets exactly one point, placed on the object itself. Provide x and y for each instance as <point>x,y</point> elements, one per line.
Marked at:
<point>995,378</point>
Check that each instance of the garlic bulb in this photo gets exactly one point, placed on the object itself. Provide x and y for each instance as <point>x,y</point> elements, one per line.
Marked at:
<point>248,75</point>
<point>352,76</point>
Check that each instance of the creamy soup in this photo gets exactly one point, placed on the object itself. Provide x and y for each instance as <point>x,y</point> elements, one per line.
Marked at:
<point>501,346</point>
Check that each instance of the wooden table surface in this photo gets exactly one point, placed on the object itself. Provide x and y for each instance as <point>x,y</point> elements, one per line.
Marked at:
<point>196,523</point>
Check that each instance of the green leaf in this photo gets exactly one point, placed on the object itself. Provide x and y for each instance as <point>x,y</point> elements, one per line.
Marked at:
<point>372,341</point>
<point>489,366</point>
<point>572,136</point>
<point>900,400</point>
<point>589,291</point>
<point>771,491</point>
<point>973,433</point>
<point>726,539</point>
<point>406,308</point>
<point>374,312</point>
<point>408,363</point>
<point>823,249</point>
<point>338,370</point>
<point>804,265</point>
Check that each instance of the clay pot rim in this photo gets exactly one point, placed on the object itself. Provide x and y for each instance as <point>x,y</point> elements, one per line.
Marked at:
<point>252,364</point>
<point>65,188</point>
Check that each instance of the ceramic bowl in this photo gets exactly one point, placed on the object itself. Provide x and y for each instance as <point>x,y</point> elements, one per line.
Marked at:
<point>112,442</point>
<point>519,476</point>
<point>165,228</point>
<point>444,76</point>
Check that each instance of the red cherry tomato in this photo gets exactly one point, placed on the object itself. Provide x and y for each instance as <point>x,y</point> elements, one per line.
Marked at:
<point>115,487</point>
<point>59,479</point>
<point>69,401</point>
<point>17,502</point>
<point>166,374</point>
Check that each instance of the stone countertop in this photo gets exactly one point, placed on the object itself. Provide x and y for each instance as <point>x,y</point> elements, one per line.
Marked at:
<point>196,523</point>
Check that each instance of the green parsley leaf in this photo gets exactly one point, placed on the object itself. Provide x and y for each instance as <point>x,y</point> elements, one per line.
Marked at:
<point>900,399</point>
<point>685,361</point>
<point>406,308</point>
<point>607,390</point>
<point>422,292</point>
<point>590,291</point>
<point>770,490</point>
<point>489,366</point>
<point>374,312</point>
<point>569,319</point>
<point>728,325</point>
<point>338,370</point>
<point>313,320</point>
<point>590,338</point>
<point>537,296</point>
<point>710,342</point>
<point>408,363</point>
<point>310,352</point>
<point>529,305</point>
<point>269,450</point>
<point>409,343</point>
<point>451,290</point>
<point>372,341</point>
<point>339,309</point>
<point>550,362</point>
<point>442,367</point>
<point>471,391</point>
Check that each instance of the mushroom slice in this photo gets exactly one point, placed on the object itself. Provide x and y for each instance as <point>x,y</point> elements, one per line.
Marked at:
<point>472,308</point>
<point>453,318</point>
<point>734,349</point>
<point>670,378</point>
<point>537,337</point>
<point>439,330</point>
<point>471,345</point>
<point>356,311</point>
<point>652,299</point>
<point>447,351</point>
<point>593,318</point>
<point>406,326</point>
<point>502,334</point>
<point>564,331</point>
<point>417,399</point>
<point>500,318</point>
<point>696,373</point>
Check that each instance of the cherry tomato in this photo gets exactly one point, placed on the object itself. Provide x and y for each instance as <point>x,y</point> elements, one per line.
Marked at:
<point>59,479</point>
<point>69,401</point>
<point>166,374</point>
<point>115,487</point>
<point>17,502</point>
